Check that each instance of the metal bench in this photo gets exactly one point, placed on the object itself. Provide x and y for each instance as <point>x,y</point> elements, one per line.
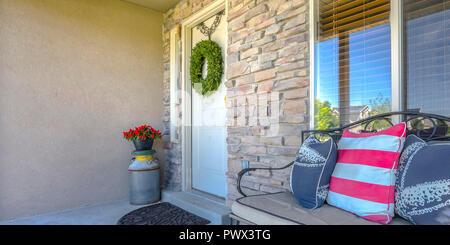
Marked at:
<point>283,209</point>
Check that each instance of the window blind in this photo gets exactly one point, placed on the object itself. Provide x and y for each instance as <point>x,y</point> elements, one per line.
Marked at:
<point>339,17</point>
<point>353,59</point>
<point>418,8</point>
<point>427,55</point>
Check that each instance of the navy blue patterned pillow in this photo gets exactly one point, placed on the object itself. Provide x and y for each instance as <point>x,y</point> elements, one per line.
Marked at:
<point>422,189</point>
<point>311,173</point>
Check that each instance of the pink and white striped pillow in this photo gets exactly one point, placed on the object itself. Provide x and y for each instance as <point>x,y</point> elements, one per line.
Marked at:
<point>363,181</point>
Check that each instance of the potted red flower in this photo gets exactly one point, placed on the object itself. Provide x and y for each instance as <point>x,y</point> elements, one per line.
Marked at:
<point>142,137</point>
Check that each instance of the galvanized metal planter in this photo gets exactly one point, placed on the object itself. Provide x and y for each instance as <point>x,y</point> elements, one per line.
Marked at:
<point>143,145</point>
<point>144,178</point>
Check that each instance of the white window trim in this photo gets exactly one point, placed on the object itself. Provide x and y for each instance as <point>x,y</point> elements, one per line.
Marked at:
<point>397,96</point>
<point>312,56</point>
<point>174,89</point>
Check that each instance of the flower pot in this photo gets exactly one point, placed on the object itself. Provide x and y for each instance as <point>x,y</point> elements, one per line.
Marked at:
<point>142,145</point>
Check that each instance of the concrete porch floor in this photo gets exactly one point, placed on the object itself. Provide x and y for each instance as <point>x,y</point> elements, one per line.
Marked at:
<point>100,214</point>
<point>110,213</point>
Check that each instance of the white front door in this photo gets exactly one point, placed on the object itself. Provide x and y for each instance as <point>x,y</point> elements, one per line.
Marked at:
<point>209,149</point>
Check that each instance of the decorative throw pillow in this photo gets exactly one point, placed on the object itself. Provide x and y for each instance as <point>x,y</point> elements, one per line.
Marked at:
<point>363,181</point>
<point>310,175</point>
<point>423,182</point>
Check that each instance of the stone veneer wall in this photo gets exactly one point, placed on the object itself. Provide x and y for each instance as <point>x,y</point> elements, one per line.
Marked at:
<point>268,88</point>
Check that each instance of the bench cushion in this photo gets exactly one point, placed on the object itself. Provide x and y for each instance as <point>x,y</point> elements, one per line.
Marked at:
<point>311,173</point>
<point>283,209</point>
<point>422,194</point>
<point>363,181</point>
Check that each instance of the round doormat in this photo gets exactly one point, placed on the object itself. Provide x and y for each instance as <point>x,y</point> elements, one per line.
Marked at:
<point>161,214</point>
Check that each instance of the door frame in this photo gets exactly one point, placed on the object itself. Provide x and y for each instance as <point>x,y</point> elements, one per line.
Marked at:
<point>186,104</point>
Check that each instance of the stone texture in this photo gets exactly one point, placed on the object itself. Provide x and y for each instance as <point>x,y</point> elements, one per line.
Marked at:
<point>294,107</point>
<point>264,75</point>
<point>291,84</point>
<point>237,69</point>
<point>293,141</point>
<point>267,89</point>
<point>250,52</point>
<point>296,93</point>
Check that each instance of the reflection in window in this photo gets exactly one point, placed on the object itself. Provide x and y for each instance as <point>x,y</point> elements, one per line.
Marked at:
<point>352,61</point>
<point>427,55</point>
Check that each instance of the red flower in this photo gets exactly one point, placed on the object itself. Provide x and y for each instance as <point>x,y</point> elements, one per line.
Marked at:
<point>142,132</point>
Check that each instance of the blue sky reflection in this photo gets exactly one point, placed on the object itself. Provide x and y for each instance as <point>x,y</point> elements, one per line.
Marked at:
<point>370,67</point>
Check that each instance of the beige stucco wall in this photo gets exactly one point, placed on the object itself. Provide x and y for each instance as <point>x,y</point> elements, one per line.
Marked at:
<point>73,75</point>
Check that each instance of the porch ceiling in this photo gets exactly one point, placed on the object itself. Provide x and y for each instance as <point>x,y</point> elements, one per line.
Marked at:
<point>158,5</point>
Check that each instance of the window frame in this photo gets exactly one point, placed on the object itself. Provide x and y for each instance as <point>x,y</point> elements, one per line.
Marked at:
<point>397,87</point>
<point>175,69</point>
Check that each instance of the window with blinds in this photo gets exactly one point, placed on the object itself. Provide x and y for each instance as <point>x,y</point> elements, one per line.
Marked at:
<point>426,42</point>
<point>352,61</point>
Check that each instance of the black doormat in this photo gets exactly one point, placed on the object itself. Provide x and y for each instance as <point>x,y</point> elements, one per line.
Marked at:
<point>161,214</point>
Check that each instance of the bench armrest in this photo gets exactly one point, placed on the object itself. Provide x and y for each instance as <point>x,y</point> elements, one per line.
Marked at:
<point>245,170</point>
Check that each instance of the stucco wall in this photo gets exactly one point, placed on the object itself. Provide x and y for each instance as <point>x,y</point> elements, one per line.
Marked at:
<point>73,75</point>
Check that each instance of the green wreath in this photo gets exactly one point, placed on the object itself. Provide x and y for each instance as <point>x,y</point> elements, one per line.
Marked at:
<point>212,52</point>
